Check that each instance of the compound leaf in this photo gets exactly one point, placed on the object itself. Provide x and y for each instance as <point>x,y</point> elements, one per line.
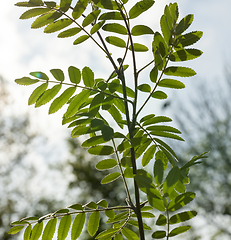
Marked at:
<point>79,8</point>
<point>159,95</point>
<point>182,217</point>
<point>148,155</point>
<point>15,229</point>
<point>39,75</point>
<point>139,47</point>
<point>185,55</point>
<point>88,77</point>
<point>90,18</point>
<point>141,30</point>
<point>118,42</point>
<point>34,12</point>
<point>58,25</point>
<point>159,234</point>
<point>110,178</point>
<point>57,74</point>
<point>179,71</point>
<point>74,74</point>
<point>184,24</point>
<point>129,234</point>
<point>101,150</point>
<point>27,233</point>
<point>180,201</point>
<point>171,83</point>
<point>26,81</point>
<point>65,5</point>
<point>37,93</point>
<point>179,230</point>
<point>80,39</point>
<point>106,164</point>
<point>115,27</point>
<point>36,231</point>
<point>69,33</point>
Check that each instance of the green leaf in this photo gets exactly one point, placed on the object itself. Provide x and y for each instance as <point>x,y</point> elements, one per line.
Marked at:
<point>101,150</point>
<point>93,141</point>
<point>179,230</point>
<point>61,100</point>
<point>97,123</point>
<point>110,178</point>
<point>115,27</point>
<point>77,225</point>
<point>179,71</point>
<point>45,19</point>
<point>96,27</point>
<point>141,30</point>
<point>171,83</point>
<point>159,95</point>
<point>167,135</point>
<point>65,5</point>
<point>167,33</point>
<point>36,231</point>
<point>110,213</point>
<point>31,3</point>
<point>48,95</point>
<point>76,103</point>
<point>144,180</point>
<point>106,164</point>
<point>15,229</point>
<point>188,39</point>
<point>64,227</point>
<point>76,207</point>
<point>26,81</point>
<point>111,16</point>
<point>161,156</point>
<point>184,24</point>
<point>107,4</point>
<point>160,43</point>
<point>63,210</point>
<point>91,17</point>
<point>148,155</point>
<point>129,234</point>
<point>57,25</point>
<point>81,39</point>
<point>74,74</point>
<point>39,75</point>
<point>140,7</point>
<point>57,74</point>
<point>88,77</point>
<point>185,55</point>
<point>128,172</point>
<point>102,203</point>
<point>27,233</point>
<point>139,47</point>
<point>107,233</point>
<point>49,230</point>
<point>161,221</point>
<point>166,146</point>
<point>118,237</point>
<point>118,42</point>
<point>157,119</point>
<point>159,234</point>
<point>50,4</point>
<point>158,171</point>
<point>69,33</point>
<point>79,8</point>
<point>144,87</point>
<point>107,132</point>
<point>154,74</point>
<point>182,217</point>
<point>163,128</point>
<point>37,93</point>
<point>93,223</point>
<point>147,117</point>
<point>34,12</point>
<point>171,180</point>
<point>180,201</point>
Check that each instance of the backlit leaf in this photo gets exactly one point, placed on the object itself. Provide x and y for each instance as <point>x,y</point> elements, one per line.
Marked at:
<point>74,74</point>
<point>184,24</point>
<point>154,74</point>
<point>39,75</point>
<point>34,12</point>
<point>26,81</point>
<point>144,87</point>
<point>77,226</point>
<point>37,93</point>
<point>107,234</point>
<point>36,231</point>
<point>79,8</point>
<point>140,7</point>
<point>159,234</point>
<point>161,221</point>
<point>107,132</point>
<point>179,71</point>
<point>159,95</point>
<point>76,103</point>
<point>185,55</point>
<point>182,217</point>
<point>167,135</point>
<point>141,30</point>
<point>129,234</point>
<point>61,100</point>
<point>180,201</point>
<point>148,155</point>
<point>27,233</point>
<point>118,42</point>
<point>90,18</point>
<point>96,27</point>
<point>179,230</point>
<point>106,164</point>
<point>157,119</point>
<point>80,39</point>
<point>111,16</point>
<point>48,95</point>
<point>171,180</point>
<point>49,230</point>
<point>65,5</point>
<point>45,19</point>
<point>88,77</point>
<point>57,74</point>
<point>50,4</point>
<point>101,150</point>
<point>139,47</point>
<point>115,27</point>
<point>158,171</point>
<point>58,25</point>
<point>69,33</point>
<point>110,178</point>
<point>93,223</point>
<point>64,226</point>
<point>171,83</point>
<point>31,3</point>
<point>93,141</point>
<point>15,229</point>
<point>163,128</point>
<point>188,39</point>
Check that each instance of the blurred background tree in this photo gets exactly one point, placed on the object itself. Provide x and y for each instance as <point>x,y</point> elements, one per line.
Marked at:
<point>205,121</point>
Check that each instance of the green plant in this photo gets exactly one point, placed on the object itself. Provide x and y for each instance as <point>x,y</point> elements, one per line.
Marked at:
<point>138,137</point>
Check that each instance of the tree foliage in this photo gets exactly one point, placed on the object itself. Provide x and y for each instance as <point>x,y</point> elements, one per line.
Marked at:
<point>89,101</point>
